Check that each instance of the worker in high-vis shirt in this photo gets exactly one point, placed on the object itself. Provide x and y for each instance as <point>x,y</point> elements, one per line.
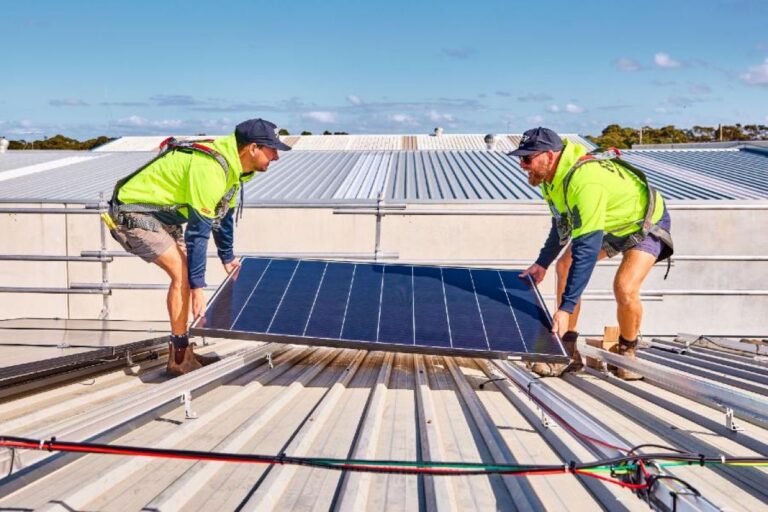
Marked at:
<point>601,206</point>
<point>197,184</point>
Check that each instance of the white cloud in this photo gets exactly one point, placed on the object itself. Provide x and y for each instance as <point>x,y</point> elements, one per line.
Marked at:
<point>663,60</point>
<point>573,109</point>
<point>537,119</point>
<point>626,64</point>
<point>321,116</point>
<point>141,122</point>
<point>553,108</point>
<point>660,110</point>
<point>403,119</point>
<point>437,117</point>
<point>354,100</point>
<point>67,102</point>
<point>757,75</point>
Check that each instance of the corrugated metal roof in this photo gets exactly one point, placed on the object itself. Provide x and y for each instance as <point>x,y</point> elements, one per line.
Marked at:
<point>15,159</point>
<point>505,142</point>
<point>411,176</point>
<point>334,403</point>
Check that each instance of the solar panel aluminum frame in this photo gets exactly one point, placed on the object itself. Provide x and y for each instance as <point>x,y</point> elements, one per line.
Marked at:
<point>197,330</point>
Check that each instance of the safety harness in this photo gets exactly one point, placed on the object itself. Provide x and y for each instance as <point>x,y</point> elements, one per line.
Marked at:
<point>121,212</point>
<point>613,244</point>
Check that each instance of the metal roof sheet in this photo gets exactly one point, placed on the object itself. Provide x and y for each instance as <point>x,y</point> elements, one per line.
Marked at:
<point>332,403</point>
<point>410,176</point>
<point>505,142</point>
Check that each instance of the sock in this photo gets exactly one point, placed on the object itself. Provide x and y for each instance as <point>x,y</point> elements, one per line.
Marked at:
<point>570,336</point>
<point>180,343</point>
<point>626,342</point>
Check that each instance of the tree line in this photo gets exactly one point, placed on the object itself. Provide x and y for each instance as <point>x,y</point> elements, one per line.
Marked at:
<point>613,135</point>
<point>625,137</point>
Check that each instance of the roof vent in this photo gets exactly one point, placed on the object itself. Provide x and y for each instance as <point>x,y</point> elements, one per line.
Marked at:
<point>3,144</point>
<point>438,131</point>
<point>490,141</point>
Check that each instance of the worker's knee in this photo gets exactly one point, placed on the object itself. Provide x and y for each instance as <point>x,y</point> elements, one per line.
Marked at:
<point>625,294</point>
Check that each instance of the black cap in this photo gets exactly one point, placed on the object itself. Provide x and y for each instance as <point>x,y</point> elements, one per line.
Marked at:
<point>261,132</point>
<point>538,140</point>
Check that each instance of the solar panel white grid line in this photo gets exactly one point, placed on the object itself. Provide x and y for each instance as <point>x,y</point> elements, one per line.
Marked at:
<point>346,306</point>
<point>381,300</point>
<point>296,268</point>
<point>413,307</point>
<point>477,301</point>
<point>447,316</point>
<point>512,310</point>
<point>245,303</point>
<point>314,301</point>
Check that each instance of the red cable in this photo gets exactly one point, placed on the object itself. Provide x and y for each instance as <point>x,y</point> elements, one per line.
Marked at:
<point>635,487</point>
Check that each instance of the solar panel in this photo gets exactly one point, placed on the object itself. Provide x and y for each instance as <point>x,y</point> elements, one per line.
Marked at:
<point>434,310</point>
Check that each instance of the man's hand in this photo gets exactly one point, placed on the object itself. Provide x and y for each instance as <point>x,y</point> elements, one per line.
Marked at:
<point>232,266</point>
<point>537,272</point>
<point>198,303</point>
<point>560,322</point>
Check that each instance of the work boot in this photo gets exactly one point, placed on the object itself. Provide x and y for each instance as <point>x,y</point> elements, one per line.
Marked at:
<point>205,360</point>
<point>543,369</point>
<point>181,360</point>
<point>627,348</point>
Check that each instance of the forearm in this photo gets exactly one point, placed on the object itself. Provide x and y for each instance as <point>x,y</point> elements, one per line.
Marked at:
<point>196,237</point>
<point>585,250</point>
<point>224,237</point>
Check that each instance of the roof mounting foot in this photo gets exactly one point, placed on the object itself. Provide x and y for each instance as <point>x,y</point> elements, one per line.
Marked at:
<point>129,359</point>
<point>730,424</point>
<point>186,399</point>
<point>546,420</point>
<point>269,361</point>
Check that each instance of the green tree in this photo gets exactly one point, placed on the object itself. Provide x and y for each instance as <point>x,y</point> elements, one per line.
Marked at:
<point>305,132</point>
<point>283,131</point>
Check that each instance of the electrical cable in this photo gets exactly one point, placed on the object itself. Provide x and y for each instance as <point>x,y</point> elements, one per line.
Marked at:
<point>391,466</point>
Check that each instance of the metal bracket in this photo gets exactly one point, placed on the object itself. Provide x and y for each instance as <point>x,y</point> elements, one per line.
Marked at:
<point>186,399</point>
<point>546,420</point>
<point>129,359</point>
<point>730,424</point>
<point>63,345</point>
<point>269,361</point>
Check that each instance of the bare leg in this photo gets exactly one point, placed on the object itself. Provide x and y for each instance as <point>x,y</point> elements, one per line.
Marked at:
<point>174,262</point>
<point>562,267</point>
<point>633,270</point>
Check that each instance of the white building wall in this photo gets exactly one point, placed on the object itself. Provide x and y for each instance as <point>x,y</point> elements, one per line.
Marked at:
<point>459,238</point>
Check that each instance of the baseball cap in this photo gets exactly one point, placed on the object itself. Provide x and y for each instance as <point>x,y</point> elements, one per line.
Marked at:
<point>261,132</point>
<point>537,140</point>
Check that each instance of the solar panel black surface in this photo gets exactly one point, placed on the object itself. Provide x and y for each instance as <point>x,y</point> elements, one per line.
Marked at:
<point>437,310</point>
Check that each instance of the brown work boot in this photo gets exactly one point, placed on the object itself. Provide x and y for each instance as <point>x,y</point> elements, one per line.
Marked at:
<point>207,359</point>
<point>181,361</point>
<point>628,349</point>
<point>543,369</point>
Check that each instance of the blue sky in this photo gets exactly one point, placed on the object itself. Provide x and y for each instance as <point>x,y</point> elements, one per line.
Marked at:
<point>86,68</point>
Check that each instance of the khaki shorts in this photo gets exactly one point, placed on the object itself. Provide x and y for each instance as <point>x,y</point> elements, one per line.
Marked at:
<point>149,245</point>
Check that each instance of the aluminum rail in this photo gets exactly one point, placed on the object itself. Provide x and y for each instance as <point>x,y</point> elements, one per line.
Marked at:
<point>298,255</point>
<point>117,417</point>
<point>43,257</point>
<point>746,406</point>
<point>667,494</point>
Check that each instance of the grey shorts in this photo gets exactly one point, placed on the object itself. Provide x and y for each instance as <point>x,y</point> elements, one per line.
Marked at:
<point>651,244</point>
<point>149,245</point>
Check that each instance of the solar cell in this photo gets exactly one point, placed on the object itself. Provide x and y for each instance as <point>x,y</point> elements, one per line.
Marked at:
<point>438,310</point>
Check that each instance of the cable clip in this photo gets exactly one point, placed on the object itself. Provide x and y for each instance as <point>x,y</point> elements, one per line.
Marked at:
<point>701,459</point>
<point>50,443</point>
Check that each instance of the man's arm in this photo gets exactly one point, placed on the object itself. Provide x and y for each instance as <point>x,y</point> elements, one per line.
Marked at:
<point>551,247</point>
<point>588,202</point>
<point>196,237</point>
<point>225,238</point>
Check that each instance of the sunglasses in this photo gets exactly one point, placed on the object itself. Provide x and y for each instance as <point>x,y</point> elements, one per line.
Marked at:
<point>527,159</point>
